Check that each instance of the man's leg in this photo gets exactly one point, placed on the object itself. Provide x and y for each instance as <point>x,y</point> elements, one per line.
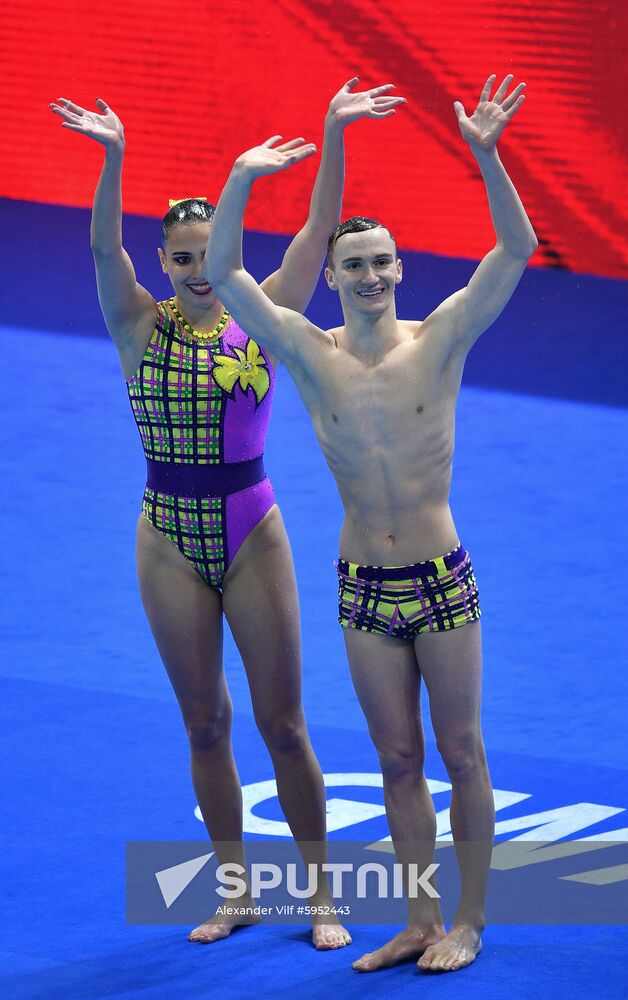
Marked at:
<point>451,665</point>
<point>387,680</point>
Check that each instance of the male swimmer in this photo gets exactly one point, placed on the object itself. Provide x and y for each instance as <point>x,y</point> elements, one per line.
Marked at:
<point>382,394</point>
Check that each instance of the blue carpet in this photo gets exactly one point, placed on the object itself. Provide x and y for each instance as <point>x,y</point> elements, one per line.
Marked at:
<point>93,747</point>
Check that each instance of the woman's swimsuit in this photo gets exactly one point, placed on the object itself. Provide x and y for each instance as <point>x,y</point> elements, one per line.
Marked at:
<point>202,410</point>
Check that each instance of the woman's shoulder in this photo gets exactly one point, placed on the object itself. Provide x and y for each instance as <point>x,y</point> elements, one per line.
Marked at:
<point>163,308</point>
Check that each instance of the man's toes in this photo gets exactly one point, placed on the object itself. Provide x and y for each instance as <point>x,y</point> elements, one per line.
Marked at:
<point>364,964</point>
<point>425,961</point>
<point>431,962</point>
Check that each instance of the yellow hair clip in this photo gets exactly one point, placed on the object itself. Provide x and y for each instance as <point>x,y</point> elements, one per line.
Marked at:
<point>177,201</point>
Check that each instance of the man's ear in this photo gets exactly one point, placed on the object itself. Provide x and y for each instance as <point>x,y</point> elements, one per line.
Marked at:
<point>399,274</point>
<point>162,259</point>
<point>330,279</point>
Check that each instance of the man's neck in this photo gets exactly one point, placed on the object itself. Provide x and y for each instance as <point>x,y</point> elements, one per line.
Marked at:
<point>370,338</point>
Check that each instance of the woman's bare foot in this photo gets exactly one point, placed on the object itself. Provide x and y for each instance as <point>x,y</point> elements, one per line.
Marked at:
<point>408,944</point>
<point>458,948</point>
<point>329,936</point>
<point>222,924</point>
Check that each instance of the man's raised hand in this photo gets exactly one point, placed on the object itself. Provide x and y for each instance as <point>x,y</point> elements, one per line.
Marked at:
<point>104,126</point>
<point>347,107</point>
<point>268,158</point>
<point>491,116</point>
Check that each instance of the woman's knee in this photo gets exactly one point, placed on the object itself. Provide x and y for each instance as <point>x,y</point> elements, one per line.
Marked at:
<point>208,731</point>
<point>463,754</point>
<point>400,763</point>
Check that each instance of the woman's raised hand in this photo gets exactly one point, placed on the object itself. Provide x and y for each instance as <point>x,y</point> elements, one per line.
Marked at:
<point>269,158</point>
<point>347,107</point>
<point>104,125</point>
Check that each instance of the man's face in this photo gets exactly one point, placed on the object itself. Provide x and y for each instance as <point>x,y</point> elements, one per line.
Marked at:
<point>365,271</point>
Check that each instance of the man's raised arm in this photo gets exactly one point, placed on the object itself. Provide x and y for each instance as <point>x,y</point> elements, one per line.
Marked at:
<point>468,312</point>
<point>274,327</point>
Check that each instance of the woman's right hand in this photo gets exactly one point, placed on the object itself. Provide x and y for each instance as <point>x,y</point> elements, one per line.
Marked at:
<point>105,127</point>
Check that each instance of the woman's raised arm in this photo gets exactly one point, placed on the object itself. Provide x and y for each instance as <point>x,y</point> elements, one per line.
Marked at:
<point>128,309</point>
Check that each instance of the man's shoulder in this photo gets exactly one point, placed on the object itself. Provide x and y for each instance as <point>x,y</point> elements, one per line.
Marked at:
<point>411,329</point>
<point>309,343</point>
<point>334,335</point>
<point>411,326</point>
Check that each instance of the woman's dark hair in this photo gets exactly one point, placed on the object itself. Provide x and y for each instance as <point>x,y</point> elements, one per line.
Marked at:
<point>357,224</point>
<point>190,210</point>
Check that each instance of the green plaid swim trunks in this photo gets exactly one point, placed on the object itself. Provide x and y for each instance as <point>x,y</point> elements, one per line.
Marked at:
<point>403,601</point>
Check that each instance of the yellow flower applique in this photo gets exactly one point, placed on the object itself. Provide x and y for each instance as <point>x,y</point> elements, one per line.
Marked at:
<point>248,369</point>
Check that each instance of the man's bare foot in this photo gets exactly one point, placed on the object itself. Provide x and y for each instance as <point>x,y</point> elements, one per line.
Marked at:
<point>458,948</point>
<point>330,936</point>
<point>408,944</point>
<point>220,926</point>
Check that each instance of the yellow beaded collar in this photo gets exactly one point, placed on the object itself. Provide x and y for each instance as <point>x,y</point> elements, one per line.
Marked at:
<point>200,335</point>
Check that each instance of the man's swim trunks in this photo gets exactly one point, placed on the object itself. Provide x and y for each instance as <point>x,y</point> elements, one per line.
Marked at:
<point>403,601</point>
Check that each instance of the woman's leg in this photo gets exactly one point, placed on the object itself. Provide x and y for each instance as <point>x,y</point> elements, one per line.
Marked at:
<point>185,616</point>
<point>261,604</point>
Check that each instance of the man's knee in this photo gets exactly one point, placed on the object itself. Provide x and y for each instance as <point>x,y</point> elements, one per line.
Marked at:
<point>463,754</point>
<point>284,733</point>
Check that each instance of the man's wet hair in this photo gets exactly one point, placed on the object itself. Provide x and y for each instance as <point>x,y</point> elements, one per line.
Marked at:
<point>357,224</point>
<point>190,210</point>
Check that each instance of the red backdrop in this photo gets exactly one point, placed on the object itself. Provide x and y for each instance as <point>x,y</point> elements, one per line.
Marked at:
<point>197,83</point>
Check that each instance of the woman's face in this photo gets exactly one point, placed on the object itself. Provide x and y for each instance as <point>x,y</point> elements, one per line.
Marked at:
<point>182,260</point>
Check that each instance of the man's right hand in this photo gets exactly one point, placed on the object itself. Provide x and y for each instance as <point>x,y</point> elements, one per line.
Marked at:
<point>492,114</point>
<point>105,127</point>
<point>269,158</point>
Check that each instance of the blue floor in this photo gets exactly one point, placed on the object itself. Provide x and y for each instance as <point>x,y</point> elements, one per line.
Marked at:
<point>93,747</point>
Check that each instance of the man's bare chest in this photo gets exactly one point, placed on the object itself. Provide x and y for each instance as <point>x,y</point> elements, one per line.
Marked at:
<point>394,384</point>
